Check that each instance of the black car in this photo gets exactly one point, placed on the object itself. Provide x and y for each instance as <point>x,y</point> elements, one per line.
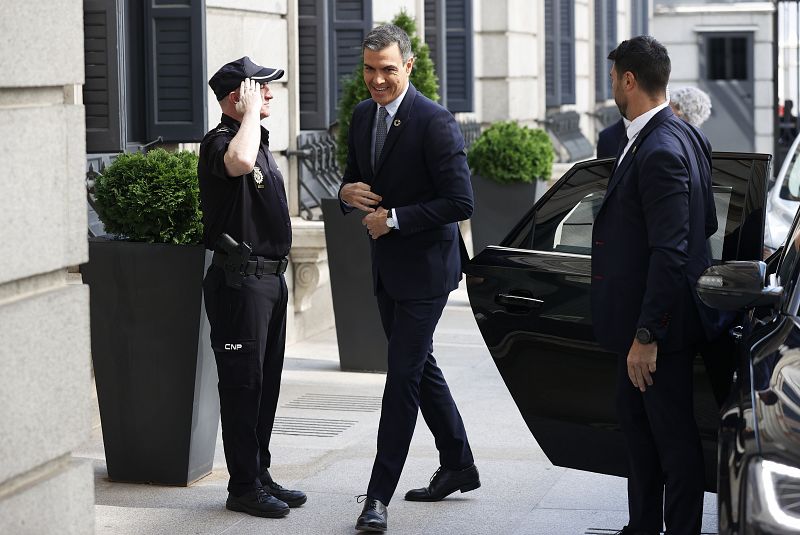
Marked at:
<point>531,299</point>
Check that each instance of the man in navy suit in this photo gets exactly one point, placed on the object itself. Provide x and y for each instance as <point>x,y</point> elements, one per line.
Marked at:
<point>406,167</point>
<point>609,138</point>
<point>649,248</point>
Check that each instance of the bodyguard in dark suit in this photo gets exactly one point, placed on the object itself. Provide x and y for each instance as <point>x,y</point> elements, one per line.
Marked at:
<point>649,248</point>
<point>407,169</point>
<point>609,138</point>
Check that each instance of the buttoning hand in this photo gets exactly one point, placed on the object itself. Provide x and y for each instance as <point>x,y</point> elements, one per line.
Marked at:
<point>250,99</point>
<point>376,223</point>
<point>642,363</point>
<point>359,195</point>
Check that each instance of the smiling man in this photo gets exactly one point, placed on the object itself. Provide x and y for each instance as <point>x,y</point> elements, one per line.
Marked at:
<point>406,168</point>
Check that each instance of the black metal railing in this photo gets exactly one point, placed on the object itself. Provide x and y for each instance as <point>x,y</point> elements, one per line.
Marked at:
<point>470,129</point>
<point>565,127</point>
<point>319,175</point>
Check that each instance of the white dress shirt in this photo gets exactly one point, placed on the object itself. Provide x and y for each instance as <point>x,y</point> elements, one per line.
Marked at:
<point>638,124</point>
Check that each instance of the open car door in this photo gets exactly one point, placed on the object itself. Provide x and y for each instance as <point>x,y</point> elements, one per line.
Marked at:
<point>531,299</point>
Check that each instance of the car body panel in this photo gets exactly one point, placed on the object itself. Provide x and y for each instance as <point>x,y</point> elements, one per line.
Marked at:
<point>781,208</point>
<point>531,299</point>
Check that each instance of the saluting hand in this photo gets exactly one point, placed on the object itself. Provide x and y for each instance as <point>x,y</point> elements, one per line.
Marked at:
<point>250,99</point>
<point>376,223</point>
<point>359,195</point>
<point>641,363</point>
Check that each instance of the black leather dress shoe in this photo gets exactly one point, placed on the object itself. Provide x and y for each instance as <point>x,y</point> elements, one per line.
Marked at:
<point>258,503</point>
<point>444,483</point>
<point>373,516</point>
<point>293,498</point>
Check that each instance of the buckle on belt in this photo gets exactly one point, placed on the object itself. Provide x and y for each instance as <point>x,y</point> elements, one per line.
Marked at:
<point>283,263</point>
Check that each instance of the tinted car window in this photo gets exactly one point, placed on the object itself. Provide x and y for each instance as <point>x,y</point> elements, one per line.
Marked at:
<point>563,224</point>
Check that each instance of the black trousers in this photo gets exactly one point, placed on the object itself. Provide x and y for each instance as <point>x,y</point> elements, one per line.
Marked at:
<point>248,335</point>
<point>666,478</point>
<point>414,382</point>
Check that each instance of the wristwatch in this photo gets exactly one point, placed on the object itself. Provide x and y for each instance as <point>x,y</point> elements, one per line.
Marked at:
<point>644,336</point>
<point>390,219</point>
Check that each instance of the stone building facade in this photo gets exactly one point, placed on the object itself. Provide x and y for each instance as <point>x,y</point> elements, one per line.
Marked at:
<point>44,316</point>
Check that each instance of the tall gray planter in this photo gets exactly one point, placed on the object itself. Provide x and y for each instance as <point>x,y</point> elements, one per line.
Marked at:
<point>154,367</point>
<point>359,332</point>
<point>498,207</point>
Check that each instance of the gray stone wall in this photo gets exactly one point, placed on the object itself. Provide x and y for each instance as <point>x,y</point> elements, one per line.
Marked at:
<point>44,318</point>
<point>509,60</point>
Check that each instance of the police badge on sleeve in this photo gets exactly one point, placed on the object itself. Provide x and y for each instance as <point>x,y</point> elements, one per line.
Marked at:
<point>258,177</point>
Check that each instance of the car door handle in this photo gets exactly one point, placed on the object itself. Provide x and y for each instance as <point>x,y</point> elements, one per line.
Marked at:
<point>518,301</point>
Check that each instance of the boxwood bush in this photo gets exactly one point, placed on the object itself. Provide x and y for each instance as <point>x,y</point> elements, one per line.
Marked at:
<point>508,152</point>
<point>151,197</point>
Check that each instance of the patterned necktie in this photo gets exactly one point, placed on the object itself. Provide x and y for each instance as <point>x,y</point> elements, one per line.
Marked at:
<point>380,135</point>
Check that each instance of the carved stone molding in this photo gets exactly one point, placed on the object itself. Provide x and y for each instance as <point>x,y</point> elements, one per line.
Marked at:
<point>309,258</point>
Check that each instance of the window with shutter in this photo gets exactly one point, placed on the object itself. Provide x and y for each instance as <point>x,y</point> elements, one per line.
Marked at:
<point>174,33</point>
<point>448,34</point>
<point>434,38</point>
<point>559,52</point>
<point>459,56</point>
<point>350,22</point>
<point>314,73</point>
<point>145,72</point>
<point>103,88</point>
<point>605,29</point>
<point>567,51</point>
<point>640,17</point>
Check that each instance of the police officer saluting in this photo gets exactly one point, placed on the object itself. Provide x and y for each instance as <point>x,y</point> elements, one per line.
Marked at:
<point>246,223</point>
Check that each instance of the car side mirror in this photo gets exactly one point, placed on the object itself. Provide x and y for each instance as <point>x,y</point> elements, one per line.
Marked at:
<point>738,285</point>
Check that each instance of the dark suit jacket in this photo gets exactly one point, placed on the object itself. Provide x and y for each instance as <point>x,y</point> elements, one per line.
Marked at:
<point>649,240</point>
<point>609,138</point>
<point>423,175</point>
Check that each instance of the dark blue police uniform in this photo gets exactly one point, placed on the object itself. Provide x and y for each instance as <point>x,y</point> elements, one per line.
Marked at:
<point>248,324</point>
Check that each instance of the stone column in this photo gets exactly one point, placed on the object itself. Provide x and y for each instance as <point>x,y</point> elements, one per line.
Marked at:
<point>44,318</point>
<point>509,60</point>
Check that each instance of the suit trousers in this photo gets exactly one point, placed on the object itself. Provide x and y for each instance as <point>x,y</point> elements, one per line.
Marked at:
<point>666,479</point>
<point>414,383</point>
<point>248,335</point>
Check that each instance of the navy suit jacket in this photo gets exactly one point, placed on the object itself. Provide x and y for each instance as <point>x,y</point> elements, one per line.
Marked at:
<point>609,138</point>
<point>649,240</point>
<point>423,174</point>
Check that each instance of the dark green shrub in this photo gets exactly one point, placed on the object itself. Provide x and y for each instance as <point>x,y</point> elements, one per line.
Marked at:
<point>507,152</point>
<point>423,76</point>
<point>151,197</point>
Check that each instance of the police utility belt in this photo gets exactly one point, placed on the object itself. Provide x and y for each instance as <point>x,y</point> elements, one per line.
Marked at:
<point>237,262</point>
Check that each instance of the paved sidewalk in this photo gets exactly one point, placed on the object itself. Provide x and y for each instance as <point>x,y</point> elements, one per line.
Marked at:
<point>330,453</point>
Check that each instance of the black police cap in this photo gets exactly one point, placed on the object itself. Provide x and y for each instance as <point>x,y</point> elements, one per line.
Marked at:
<point>230,76</point>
